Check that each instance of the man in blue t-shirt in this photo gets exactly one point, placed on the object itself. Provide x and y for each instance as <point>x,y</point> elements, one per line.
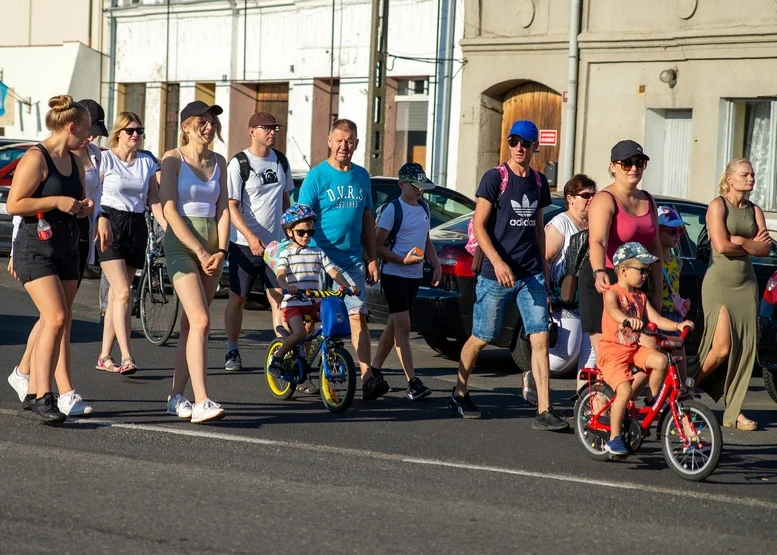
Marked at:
<point>510,231</point>
<point>340,193</point>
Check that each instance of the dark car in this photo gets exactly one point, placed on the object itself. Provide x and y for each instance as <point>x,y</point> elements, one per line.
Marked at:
<point>444,205</point>
<point>767,344</point>
<point>443,315</point>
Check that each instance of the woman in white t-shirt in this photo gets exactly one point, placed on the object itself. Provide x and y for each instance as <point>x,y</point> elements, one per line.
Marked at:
<point>129,186</point>
<point>572,343</point>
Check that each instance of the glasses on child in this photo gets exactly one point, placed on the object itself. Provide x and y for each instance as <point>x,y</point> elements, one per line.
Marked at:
<point>514,140</point>
<point>642,271</point>
<point>304,232</point>
<point>675,231</point>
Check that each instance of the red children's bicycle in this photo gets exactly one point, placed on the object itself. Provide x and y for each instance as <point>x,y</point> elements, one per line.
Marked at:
<point>688,430</point>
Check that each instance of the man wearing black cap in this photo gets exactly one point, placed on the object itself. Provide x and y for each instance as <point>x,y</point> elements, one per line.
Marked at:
<point>259,182</point>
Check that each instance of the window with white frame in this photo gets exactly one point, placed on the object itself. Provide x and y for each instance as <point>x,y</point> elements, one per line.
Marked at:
<point>412,117</point>
<point>750,131</point>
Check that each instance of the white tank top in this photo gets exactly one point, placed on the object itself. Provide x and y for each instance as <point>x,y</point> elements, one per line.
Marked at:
<point>197,198</point>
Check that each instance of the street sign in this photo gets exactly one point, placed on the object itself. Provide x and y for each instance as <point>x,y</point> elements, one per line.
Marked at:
<point>548,137</point>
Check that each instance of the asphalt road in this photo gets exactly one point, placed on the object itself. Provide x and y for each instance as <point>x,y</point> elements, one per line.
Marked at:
<point>386,477</point>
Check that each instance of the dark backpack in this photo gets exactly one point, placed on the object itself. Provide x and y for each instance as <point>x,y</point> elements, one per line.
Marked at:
<point>245,169</point>
<point>398,215</point>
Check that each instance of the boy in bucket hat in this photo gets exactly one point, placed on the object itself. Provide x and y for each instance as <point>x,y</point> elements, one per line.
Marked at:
<point>625,307</point>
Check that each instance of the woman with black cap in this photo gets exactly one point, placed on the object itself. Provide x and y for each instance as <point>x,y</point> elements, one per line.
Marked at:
<point>69,402</point>
<point>195,199</point>
<point>618,214</point>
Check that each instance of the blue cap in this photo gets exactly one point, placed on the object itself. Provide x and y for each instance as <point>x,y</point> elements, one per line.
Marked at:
<point>627,251</point>
<point>525,129</point>
<point>668,217</point>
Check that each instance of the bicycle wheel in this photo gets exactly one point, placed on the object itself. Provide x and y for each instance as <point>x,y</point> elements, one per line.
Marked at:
<point>280,389</point>
<point>338,385</point>
<point>158,303</point>
<point>699,460</point>
<point>593,441</point>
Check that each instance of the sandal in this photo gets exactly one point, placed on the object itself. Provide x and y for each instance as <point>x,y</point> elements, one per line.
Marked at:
<point>746,426</point>
<point>106,364</point>
<point>308,389</point>
<point>127,366</point>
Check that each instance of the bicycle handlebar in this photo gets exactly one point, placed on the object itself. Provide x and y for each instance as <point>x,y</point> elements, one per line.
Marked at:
<point>317,294</point>
<point>652,330</point>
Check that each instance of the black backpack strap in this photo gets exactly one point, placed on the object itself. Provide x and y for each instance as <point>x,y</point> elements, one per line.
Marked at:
<point>282,160</point>
<point>245,173</point>
<point>398,215</point>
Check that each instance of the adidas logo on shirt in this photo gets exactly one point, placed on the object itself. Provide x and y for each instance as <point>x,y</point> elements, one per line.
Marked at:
<point>525,210</point>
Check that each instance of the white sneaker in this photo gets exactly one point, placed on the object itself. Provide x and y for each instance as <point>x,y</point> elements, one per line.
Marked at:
<point>205,411</point>
<point>19,382</point>
<point>71,404</point>
<point>179,406</point>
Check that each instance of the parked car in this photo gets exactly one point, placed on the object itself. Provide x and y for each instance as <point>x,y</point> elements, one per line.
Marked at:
<point>444,205</point>
<point>767,344</point>
<point>443,314</point>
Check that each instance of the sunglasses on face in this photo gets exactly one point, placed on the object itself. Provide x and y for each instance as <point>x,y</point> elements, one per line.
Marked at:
<point>130,131</point>
<point>515,140</point>
<point>639,163</point>
<point>673,230</point>
<point>304,232</point>
<point>587,195</point>
<point>642,271</point>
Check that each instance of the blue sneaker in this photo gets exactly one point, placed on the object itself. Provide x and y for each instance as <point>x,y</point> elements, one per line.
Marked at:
<point>617,447</point>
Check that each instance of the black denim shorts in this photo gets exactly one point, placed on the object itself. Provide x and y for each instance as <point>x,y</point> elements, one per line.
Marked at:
<point>130,237</point>
<point>57,256</point>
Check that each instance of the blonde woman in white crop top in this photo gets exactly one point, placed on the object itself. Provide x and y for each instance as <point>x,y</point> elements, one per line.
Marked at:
<point>195,199</point>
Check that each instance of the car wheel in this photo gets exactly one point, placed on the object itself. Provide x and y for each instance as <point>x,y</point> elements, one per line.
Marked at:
<point>522,357</point>
<point>770,381</point>
<point>448,347</point>
<point>222,292</point>
<point>91,272</point>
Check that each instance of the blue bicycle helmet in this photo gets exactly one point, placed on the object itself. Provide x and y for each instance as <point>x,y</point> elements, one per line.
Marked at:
<point>297,213</point>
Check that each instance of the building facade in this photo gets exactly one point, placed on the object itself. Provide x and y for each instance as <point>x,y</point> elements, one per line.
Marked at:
<point>305,61</point>
<point>47,48</point>
<point>694,81</point>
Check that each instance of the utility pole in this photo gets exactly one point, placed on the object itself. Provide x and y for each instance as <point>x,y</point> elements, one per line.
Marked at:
<point>376,88</point>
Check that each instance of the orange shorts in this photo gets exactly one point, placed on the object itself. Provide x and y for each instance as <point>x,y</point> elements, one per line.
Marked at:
<point>615,361</point>
<point>290,311</point>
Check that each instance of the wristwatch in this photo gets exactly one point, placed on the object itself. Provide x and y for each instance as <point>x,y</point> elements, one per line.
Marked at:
<point>223,251</point>
<point>596,272</point>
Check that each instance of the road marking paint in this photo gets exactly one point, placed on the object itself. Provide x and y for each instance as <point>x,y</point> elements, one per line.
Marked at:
<point>697,495</point>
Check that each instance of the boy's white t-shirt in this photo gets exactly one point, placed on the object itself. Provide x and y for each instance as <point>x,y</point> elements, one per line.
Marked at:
<point>262,202</point>
<point>415,228</point>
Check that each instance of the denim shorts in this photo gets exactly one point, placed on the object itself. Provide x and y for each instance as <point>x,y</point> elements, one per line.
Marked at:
<point>491,300</point>
<point>355,274</point>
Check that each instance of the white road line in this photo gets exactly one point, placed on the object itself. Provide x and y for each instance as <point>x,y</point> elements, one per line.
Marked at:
<point>697,495</point>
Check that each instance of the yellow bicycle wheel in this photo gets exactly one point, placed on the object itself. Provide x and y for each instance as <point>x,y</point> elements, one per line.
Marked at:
<point>338,392</point>
<point>280,389</point>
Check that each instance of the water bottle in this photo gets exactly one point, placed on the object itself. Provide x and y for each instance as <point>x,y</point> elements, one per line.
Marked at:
<point>44,229</point>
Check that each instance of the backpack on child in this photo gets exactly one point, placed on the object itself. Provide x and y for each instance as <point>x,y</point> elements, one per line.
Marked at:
<point>245,169</point>
<point>472,244</point>
<point>391,240</point>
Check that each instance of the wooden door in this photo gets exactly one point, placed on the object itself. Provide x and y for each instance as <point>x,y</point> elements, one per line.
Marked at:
<point>538,103</point>
<point>274,98</point>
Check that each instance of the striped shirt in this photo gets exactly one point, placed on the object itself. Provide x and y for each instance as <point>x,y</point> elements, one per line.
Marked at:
<point>302,266</point>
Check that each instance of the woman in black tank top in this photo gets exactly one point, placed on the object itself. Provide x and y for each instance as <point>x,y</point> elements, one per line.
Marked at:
<point>48,189</point>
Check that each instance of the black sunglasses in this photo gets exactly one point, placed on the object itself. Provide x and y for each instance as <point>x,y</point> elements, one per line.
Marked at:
<point>132,130</point>
<point>639,163</point>
<point>587,195</point>
<point>515,140</point>
<point>642,271</point>
<point>303,232</point>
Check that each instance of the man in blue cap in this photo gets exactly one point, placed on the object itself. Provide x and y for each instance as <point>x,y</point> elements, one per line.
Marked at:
<point>509,229</point>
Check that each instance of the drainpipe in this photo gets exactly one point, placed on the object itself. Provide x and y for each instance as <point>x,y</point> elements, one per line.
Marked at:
<point>442,102</point>
<point>112,64</point>
<point>568,167</point>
